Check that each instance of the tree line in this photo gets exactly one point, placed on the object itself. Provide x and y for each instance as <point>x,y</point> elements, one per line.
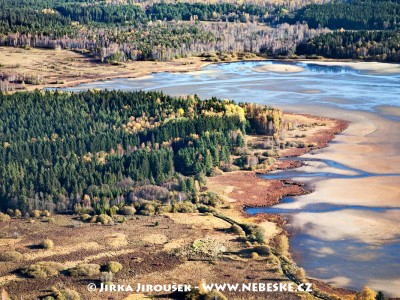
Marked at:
<point>350,15</point>
<point>370,45</point>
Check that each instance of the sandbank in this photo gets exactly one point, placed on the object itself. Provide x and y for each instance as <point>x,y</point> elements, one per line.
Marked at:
<point>279,68</point>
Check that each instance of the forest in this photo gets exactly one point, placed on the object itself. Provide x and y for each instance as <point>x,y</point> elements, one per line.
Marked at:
<point>60,149</point>
<point>117,31</point>
<point>373,45</point>
<point>206,12</point>
<point>53,17</point>
<point>353,15</point>
<point>109,14</point>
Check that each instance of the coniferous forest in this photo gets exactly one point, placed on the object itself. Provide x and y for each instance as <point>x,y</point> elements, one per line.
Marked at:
<point>363,29</point>
<point>352,15</point>
<point>60,149</point>
<point>380,45</point>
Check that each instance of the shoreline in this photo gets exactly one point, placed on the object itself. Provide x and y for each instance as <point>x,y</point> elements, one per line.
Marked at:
<point>360,147</point>
<point>66,69</point>
<point>77,68</point>
<point>132,75</point>
<point>262,192</point>
<point>200,64</point>
<point>322,140</point>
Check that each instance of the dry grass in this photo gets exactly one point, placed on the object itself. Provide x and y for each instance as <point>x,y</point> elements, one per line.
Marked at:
<point>4,217</point>
<point>47,244</point>
<point>169,246</point>
<point>207,222</point>
<point>137,297</point>
<point>43,269</point>
<point>113,267</point>
<point>312,132</point>
<point>156,239</point>
<point>116,240</point>
<point>270,230</point>
<point>67,68</point>
<point>62,250</point>
<point>10,256</point>
<point>142,249</point>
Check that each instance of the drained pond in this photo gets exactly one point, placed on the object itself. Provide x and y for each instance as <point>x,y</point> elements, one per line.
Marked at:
<point>347,231</point>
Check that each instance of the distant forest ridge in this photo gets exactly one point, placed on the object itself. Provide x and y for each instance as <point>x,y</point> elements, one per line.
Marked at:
<point>382,45</point>
<point>120,30</point>
<point>28,16</point>
<point>352,15</point>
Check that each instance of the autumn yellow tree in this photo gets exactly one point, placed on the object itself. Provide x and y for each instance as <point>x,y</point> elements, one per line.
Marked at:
<point>366,294</point>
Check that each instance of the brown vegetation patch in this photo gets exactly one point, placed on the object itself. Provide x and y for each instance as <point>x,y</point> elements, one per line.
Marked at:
<point>251,191</point>
<point>68,68</point>
<point>117,240</point>
<point>200,220</point>
<point>156,239</point>
<point>314,132</point>
<point>86,243</point>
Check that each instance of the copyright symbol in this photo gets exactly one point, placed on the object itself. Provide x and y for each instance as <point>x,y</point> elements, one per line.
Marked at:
<point>91,287</point>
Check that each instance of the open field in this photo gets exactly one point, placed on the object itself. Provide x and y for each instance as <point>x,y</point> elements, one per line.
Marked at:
<point>144,250</point>
<point>63,68</point>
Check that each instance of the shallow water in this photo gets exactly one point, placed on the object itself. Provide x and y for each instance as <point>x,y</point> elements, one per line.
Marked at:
<point>299,173</point>
<point>347,232</point>
<point>314,208</point>
<point>327,85</point>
